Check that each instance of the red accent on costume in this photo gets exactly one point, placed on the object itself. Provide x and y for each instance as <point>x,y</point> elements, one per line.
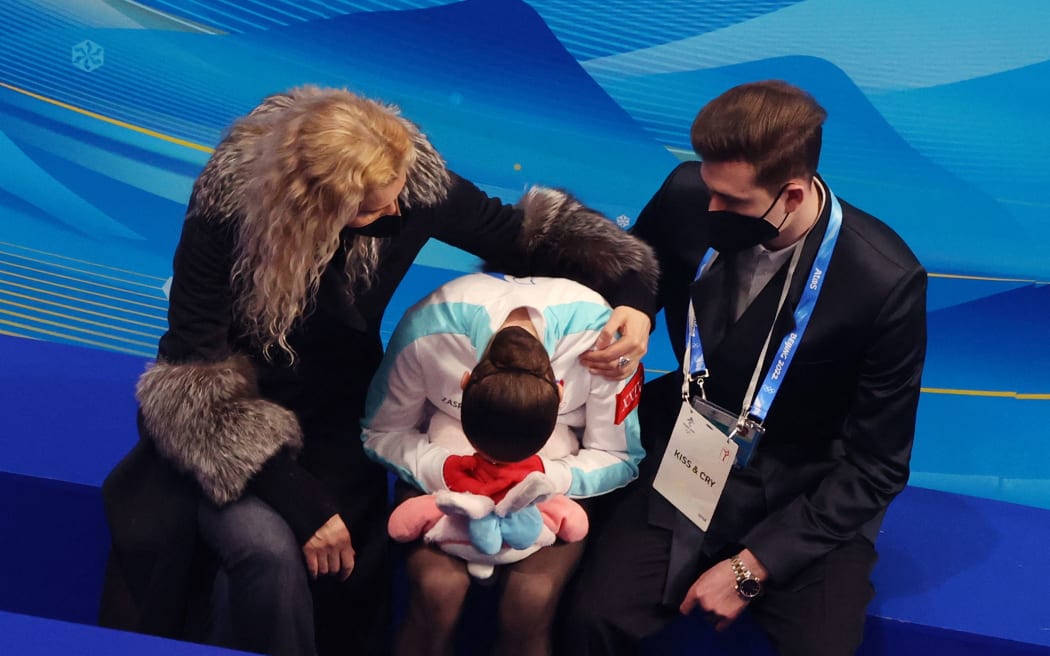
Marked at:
<point>627,399</point>
<point>479,476</point>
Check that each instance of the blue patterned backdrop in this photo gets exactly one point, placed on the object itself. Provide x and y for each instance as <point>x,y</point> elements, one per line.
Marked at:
<point>938,112</point>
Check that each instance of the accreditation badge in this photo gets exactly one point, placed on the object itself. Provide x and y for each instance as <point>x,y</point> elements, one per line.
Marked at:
<point>695,466</point>
<point>746,434</point>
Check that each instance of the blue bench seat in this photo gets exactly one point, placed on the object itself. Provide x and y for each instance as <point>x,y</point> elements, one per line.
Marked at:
<point>957,574</point>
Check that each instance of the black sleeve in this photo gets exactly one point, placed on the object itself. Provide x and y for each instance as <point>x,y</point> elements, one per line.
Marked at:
<point>200,300</point>
<point>295,494</point>
<point>646,228</point>
<point>877,434</point>
<point>481,225</point>
<point>671,224</point>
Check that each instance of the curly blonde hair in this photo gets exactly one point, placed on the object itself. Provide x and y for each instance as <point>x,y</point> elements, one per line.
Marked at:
<point>315,155</point>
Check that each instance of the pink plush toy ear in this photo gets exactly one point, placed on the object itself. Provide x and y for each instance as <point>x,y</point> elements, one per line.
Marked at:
<point>413,517</point>
<point>564,517</point>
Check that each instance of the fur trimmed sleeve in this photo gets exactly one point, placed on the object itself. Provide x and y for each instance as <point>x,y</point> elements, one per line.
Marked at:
<point>208,419</point>
<point>428,181</point>
<point>562,237</point>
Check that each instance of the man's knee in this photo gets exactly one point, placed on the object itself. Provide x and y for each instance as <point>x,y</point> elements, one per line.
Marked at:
<point>592,617</point>
<point>838,631</point>
<point>822,611</point>
<point>823,641</point>
<point>596,628</point>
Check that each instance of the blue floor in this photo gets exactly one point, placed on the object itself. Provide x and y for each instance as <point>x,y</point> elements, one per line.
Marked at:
<point>26,635</point>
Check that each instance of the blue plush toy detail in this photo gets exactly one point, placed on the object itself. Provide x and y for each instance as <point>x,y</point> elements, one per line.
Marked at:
<point>518,530</point>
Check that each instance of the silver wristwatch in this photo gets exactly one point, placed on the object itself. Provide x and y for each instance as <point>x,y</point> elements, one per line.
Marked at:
<point>748,586</point>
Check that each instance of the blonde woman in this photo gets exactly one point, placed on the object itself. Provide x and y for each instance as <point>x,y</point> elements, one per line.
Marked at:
<point>297,234</point>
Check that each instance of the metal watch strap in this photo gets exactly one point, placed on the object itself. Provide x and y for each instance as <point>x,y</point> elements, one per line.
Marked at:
<point>748,586</point>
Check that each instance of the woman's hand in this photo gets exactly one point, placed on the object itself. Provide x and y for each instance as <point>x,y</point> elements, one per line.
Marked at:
<point>617,359</point>
<point>329,550</point>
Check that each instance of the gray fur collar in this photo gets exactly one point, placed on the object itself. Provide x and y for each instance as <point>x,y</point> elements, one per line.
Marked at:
<point>428,180</point>
<point>209,420</point>
<point>563,237</point>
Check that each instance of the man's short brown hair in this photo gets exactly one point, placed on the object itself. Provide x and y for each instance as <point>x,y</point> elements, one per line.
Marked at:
<point>772,125</point>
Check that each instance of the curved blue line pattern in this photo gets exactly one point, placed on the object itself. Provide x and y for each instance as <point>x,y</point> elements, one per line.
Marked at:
<point>590,29</point>
<point>936,116</point>
<point>278,13</point>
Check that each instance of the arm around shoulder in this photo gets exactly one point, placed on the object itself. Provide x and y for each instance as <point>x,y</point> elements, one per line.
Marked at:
<point>549,232</point>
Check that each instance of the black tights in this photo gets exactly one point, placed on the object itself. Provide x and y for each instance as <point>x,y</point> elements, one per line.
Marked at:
<point>530,589</point>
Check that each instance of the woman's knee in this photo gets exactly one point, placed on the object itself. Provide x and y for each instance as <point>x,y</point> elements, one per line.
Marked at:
<point>249,534</point>
<point>528,602</point>
<point>270,573</point>
<point>270,555</point>
<point>438,593</point>
<point>534,586</point>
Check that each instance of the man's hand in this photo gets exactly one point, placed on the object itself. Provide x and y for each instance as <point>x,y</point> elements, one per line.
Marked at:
<point>617,359</point>
<point>714,593</point>
<point>329,550</point>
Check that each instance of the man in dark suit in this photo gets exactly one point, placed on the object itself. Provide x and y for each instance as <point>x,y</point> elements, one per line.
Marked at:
<point>810,317</point>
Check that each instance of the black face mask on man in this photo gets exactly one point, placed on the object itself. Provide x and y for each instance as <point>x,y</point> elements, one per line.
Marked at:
<point>731,232</point>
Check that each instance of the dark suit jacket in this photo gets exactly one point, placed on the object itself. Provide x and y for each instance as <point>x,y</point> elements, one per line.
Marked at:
<point>839,434</point>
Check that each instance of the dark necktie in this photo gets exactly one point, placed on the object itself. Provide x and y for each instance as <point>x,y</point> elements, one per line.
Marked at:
<point>712,296</point>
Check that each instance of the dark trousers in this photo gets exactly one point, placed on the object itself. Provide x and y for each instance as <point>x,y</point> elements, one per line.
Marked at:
<point>616,601</point>
<point>263,600</point>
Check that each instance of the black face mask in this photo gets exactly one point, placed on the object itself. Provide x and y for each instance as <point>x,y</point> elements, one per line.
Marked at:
<point>732,232</point>
<point>384,226</point>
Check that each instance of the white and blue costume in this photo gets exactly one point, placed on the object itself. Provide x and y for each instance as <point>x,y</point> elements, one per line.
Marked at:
<point>445,334</point>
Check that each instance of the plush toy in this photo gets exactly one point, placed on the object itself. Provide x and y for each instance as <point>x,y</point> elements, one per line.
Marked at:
<point>489,529</point>
<point>497,510</point>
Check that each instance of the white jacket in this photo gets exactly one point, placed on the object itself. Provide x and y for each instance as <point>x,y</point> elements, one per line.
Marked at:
<point>444,335</point>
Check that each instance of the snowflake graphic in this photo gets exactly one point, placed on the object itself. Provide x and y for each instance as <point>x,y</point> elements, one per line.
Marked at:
<point>88,55</point>
<point>623,220</point>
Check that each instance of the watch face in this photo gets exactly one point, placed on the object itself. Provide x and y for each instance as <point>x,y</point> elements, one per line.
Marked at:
<point>749,588</point>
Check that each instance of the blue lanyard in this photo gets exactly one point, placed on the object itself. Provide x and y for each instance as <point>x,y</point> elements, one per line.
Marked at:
<point>788,346</point>
<point>695,350</point>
